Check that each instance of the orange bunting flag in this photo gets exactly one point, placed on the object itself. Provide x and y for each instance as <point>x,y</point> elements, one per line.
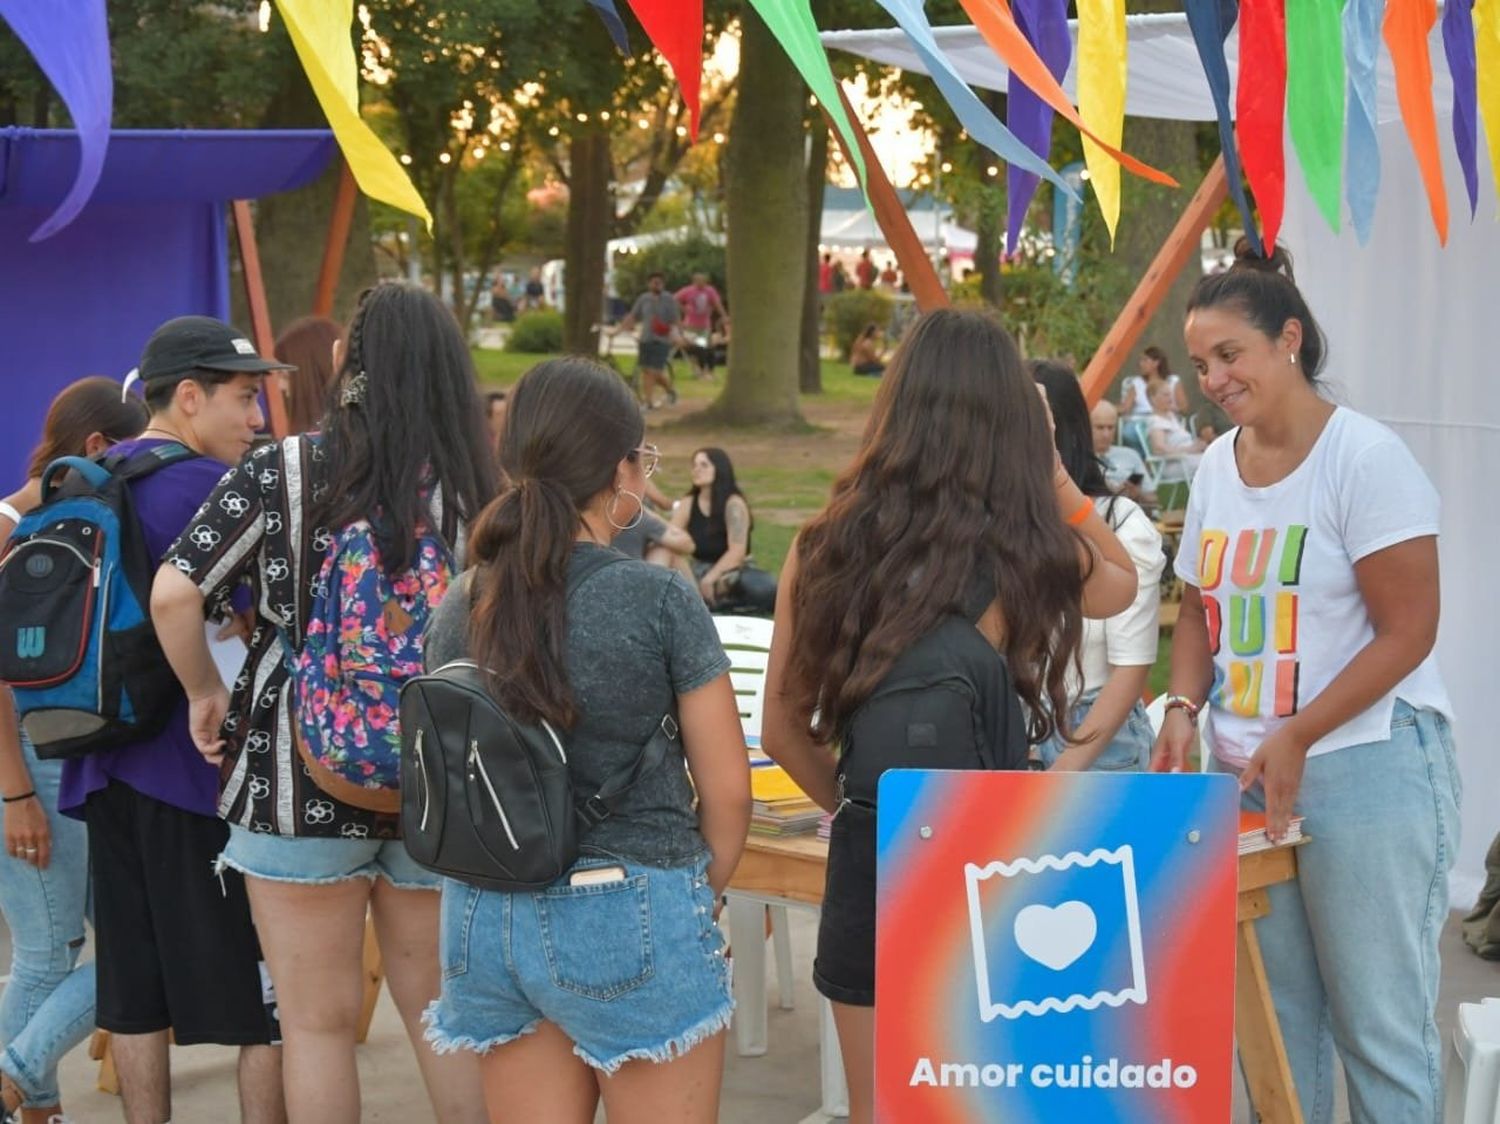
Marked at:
<point>998,26</point>
<point>1408,23</point>
<point>675,28</point>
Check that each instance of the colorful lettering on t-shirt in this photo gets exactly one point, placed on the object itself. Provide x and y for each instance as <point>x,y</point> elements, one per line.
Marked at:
<point>1254,558</point>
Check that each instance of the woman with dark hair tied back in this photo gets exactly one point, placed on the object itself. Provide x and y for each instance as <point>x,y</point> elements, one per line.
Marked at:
<point>1310,560</point>
<point>374,506</point>
<point>308,345</point>
<point>954,547</point>
<point>1110,728</point>
<point>612,981</point>
<point>48,1005</point>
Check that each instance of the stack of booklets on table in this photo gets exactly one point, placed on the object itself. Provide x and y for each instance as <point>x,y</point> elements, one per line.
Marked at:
<point>1253,832</point>
<point>825,826</point>
<point>781,808</point>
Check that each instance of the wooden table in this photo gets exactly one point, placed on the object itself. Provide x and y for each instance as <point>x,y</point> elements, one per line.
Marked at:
<point>791,871</point>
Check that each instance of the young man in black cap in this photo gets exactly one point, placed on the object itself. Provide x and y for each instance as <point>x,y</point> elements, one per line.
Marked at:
<point>176,949</point>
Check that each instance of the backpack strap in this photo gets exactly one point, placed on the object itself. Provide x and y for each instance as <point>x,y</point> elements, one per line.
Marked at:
<point>143,462</point>
<point>613,793</point>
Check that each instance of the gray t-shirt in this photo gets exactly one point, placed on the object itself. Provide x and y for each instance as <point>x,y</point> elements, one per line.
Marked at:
<point>655,311</point>
<point>638,636</point>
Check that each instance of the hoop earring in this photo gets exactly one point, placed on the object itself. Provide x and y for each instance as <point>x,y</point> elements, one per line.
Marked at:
<point>640,510</point>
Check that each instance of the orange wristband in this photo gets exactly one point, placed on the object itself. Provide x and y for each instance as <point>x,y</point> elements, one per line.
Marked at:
<point>1082,513</point>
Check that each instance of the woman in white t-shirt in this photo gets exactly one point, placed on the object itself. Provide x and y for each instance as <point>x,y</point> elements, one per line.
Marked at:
<point>1109,723</point>
<point>1310,560</point>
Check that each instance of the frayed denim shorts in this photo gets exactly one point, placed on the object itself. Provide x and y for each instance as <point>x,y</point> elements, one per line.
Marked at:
<point>280,858</point>
<point>630,969</point>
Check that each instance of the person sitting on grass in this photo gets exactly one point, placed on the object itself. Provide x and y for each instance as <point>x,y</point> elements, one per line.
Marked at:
<point>865,356</point>
<point>717,517</point>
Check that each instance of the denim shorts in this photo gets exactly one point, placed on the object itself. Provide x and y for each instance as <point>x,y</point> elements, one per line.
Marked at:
<point>1128,751</point>
<point>281,858</point>
<point>629,970</point>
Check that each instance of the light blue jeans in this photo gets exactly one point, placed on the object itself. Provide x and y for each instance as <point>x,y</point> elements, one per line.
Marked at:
<point>48,1005</point>
<point>1351,947</point>
<point>1128,751</point>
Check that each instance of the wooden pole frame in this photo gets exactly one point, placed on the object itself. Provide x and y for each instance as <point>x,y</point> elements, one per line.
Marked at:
<point>1179,247</point>
<point>260,312</point>
<point>890,215</point>
<point>340,222</point>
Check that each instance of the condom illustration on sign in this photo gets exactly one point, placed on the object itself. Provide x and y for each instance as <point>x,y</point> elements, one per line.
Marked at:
<point>1056,934</point>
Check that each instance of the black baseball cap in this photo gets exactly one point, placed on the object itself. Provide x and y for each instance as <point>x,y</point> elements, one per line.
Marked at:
<point>201,343</point>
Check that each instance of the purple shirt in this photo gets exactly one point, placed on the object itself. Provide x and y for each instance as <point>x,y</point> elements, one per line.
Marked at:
<point>167,767</point>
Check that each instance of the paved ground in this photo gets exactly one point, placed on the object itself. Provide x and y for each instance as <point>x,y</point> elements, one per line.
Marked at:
<point>779,1088</point>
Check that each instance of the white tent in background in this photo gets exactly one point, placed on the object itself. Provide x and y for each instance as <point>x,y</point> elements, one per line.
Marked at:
<point>1406,321</point>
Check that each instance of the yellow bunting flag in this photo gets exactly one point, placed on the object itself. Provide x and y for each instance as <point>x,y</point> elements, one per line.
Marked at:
<point>1487,60</point>
<point>320,31</point>
<point>1101,97</point>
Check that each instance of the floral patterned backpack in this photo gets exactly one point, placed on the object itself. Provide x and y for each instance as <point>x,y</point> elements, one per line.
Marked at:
<point>363,640</point>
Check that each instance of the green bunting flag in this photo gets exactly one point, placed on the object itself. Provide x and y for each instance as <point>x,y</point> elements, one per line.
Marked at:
<point>1315,97</point>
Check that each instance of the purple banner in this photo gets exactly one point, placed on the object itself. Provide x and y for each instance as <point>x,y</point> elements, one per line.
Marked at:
<point>70,41</point>
<point>1044,23</point>
<point>1458,44</point>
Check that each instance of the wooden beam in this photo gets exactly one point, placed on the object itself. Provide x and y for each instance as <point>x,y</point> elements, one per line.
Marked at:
<point>260,311</point>
<point>1175,252</point>
<point>339,224</point>
<point>890,214</point>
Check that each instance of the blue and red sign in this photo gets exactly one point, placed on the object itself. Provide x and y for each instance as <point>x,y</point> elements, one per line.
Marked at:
<point>1055,947</point>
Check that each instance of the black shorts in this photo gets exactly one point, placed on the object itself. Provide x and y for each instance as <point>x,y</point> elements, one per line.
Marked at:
<point>175,944</point>
<point>844,970</point>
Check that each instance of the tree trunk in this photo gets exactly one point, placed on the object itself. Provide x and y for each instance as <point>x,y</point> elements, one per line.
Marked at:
<point>590,215</point>
<point>767,206</point>
<point>810,369</point>
<point>989,243</point>
<point>291,229</point>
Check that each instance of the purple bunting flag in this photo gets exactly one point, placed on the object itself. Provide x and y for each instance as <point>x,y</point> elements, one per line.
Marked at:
<point>70,41</point>
<point>614,24</point>
<point>1210,22</point>
<point>1458,44</point>
<point>1044,23</point>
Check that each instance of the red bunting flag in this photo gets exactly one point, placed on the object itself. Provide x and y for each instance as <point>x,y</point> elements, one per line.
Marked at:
<point>675,28</point>
<point>1260,107</point>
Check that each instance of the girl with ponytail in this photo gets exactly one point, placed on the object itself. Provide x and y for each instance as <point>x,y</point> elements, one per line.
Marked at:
<point>616,971</point>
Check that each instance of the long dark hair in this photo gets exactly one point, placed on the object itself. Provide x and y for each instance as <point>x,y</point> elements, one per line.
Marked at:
<point>570,423</point>
<point>407,420</point>
<point>307,344</point>
<point>724,484</point>
<point>88,406</point>
<point>952,486</point>
<point>1159,357</point>
<point>1264,291</point>
<point>1073,431</point>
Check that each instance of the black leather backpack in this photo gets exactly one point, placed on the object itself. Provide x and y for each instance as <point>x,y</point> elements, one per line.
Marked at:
<point>487,799</point>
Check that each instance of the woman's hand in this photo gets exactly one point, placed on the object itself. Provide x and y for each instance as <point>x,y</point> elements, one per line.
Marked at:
<point>1278,765</point>
<point>205,718</point>
<point>27,836</point>
<point>709,587</point>
<point>1177,737</point>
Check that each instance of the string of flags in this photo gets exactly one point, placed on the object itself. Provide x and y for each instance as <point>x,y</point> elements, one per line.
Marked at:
<point>1314,64</point>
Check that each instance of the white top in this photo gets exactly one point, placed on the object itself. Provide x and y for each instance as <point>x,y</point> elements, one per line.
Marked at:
<point>1127,639</point>
<point>1142,405</point>
<point>1181,461</point>
<point>1276,569</point>
<point>1120,464</point>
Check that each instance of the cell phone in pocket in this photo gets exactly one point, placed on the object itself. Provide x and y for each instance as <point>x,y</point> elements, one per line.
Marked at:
<point>597,876</point>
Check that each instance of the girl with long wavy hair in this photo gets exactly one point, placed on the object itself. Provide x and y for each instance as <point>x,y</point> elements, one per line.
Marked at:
<point>955,504</point>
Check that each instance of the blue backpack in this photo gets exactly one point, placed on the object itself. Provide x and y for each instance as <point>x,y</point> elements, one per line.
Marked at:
<point>362,642</point>
<point>76,642</point>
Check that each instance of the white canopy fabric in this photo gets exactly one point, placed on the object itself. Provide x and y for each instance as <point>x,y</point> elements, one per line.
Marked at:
<point>1406,321</point>
<point>1164,77</point>
<point>859,229</point>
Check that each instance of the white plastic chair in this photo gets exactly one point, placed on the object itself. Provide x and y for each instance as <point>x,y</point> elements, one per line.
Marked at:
<point>1473,1095</point>
<point>1156,711</point>
<point>747,643</point>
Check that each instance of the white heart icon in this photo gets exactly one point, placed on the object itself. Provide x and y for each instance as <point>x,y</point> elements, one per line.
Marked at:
<point>1056,936</point>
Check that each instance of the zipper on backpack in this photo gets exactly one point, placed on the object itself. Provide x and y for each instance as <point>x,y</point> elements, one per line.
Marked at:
<point>551,733</point>
<point>426,784</point>
<point>476,762</point>
<point>103,624</point>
